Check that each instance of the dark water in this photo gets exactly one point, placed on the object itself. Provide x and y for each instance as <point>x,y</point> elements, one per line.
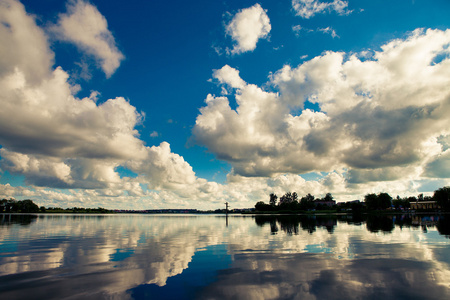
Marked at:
<point>213,257</point>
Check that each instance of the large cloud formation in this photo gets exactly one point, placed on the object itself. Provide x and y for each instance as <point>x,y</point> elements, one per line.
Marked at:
<point>54,138</point>
<point>379,117</point>
<point>382,125</point>
<point>70,151</point>
<point>58,141</point>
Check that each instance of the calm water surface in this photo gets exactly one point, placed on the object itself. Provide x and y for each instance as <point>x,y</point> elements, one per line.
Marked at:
<point>214,257</point>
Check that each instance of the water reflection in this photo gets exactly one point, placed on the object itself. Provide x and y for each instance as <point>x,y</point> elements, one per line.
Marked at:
<point>291,224</point>
<point>9,219</point>
<point>218,257</point>
<point>314,276</point>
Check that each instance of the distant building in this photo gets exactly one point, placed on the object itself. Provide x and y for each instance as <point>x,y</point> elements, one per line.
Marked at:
<point>424,205</point>
<point>329,203</point>
<point>241,210</point>
<point>349,202</point>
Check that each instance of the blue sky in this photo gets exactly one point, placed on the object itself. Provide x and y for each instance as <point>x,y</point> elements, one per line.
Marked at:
<point>149,104</point>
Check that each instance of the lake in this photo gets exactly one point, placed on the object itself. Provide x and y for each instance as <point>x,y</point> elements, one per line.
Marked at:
<point>217,257</point>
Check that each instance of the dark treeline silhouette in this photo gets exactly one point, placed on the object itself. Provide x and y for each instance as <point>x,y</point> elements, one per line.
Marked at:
<point>380,201</point>
<point>20,206</point>
<point>77,210</point>
<point>293,224</point>
<point>28,206</point>
<point>290,202</point>
<point>442,197</point>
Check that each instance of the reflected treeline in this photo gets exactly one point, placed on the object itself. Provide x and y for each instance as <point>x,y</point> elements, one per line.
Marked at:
<point>73,216</point>
<point>10,219</point>
<point>292,224</point>
<point>27,219</point>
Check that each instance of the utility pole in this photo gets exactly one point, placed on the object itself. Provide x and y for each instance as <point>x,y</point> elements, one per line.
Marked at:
<point>226,211</point>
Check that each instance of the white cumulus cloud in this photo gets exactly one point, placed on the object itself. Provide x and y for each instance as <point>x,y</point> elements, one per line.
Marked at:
<point>87,28</point>
<point>22,44</point>
<point>383,119</point>
<point>229,76</point>
<point>247,27</point>
<point>382,126</point>
<point>163,169</point>
<point>55,139</point>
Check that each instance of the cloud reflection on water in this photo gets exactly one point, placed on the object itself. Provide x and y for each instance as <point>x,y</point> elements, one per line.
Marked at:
<point>271,258</point>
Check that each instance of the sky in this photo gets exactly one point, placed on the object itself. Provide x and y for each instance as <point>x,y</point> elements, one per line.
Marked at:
<point>191,104</point>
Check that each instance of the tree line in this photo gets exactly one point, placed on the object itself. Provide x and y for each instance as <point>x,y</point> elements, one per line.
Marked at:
<point>22,206</point>
<point>291,202</point>
<point>28,206</point>
<point>382,201</point>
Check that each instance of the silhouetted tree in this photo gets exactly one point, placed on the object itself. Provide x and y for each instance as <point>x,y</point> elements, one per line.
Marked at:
<point>380,201</point>
<point>401,203</point>
<point>442,197</point>
<point>22,206</point>
<point>307,202</point>
<point>384,200</point>
<point>356,207</point>
<point>294,205</point>
<point>285,201</point>
<point>371,201</point>
<point>273,200</point>
<point>261,206</point>
<point>286,198</point>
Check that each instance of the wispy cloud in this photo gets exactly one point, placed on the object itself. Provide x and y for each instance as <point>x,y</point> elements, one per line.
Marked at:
<point>308,8</point>
<point>330,31</point>
<point>298,29</point>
